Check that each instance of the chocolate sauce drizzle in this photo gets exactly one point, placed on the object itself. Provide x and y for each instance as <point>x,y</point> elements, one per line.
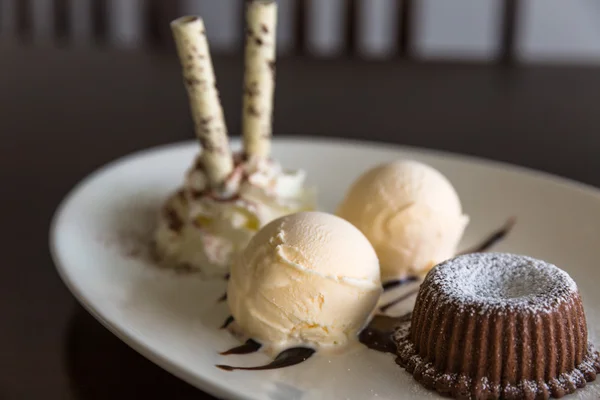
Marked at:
<point>224,295</point>
<point>228,321</point>
<point>247,348</point>
<point>398,282</point>
<point>400,299</point>
<point>378,334</point>
<point>286,358</point>
<point>494,238</point>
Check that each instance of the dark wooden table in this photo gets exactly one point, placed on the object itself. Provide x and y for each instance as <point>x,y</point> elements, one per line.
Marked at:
<point>65,113</point>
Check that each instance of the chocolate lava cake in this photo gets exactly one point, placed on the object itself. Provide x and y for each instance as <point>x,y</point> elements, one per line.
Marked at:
<point>498,326</point>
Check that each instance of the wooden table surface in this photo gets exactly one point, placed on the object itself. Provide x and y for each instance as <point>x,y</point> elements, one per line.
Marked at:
<point>64,113</point>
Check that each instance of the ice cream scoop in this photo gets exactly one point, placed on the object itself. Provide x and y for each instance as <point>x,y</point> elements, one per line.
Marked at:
<point>410,213</point>
<point>306,279</point>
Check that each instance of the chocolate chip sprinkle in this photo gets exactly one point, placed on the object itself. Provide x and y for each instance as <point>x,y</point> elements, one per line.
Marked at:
<point>173,219</point>
<point>192,81</point>
<point>253,111</point>
<point>251,89</point>
<point>198,164</point>
<point>196,194</point>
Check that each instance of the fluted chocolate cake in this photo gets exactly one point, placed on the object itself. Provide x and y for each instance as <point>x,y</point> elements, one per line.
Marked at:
<point>498,326</point>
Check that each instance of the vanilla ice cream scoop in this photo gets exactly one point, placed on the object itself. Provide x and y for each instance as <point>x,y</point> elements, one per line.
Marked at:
<point>410,213</point>
<point>306,279</point>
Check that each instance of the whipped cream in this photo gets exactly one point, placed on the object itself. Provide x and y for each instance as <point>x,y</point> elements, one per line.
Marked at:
<point>214,225</point>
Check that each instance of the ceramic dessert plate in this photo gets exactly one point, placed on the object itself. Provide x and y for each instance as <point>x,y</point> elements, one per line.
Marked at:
<point>101,234</point>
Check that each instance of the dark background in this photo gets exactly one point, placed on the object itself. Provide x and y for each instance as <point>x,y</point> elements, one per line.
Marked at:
<point>66,109</point>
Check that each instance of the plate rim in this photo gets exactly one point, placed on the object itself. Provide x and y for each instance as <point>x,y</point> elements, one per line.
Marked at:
<point>207,385</point>
<point>549,177</point>
<point>213,387</point>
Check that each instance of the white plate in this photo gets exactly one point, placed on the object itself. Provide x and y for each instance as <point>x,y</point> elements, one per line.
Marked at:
<point>173,319</point>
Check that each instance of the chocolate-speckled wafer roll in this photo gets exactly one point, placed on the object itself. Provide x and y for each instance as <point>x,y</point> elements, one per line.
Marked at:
<point>259,80</point>
<point>199,78</point>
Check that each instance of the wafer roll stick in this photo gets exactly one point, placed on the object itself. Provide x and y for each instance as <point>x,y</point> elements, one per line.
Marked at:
<point>199,78</point>
<point>259,79</point>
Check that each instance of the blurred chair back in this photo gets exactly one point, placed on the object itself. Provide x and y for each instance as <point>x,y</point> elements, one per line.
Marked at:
<point>325,28</point>
<point>475,30</point>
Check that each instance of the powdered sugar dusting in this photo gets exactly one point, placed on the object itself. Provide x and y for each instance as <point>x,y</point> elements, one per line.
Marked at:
<point>130,231</point>
<point>499,281</point>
